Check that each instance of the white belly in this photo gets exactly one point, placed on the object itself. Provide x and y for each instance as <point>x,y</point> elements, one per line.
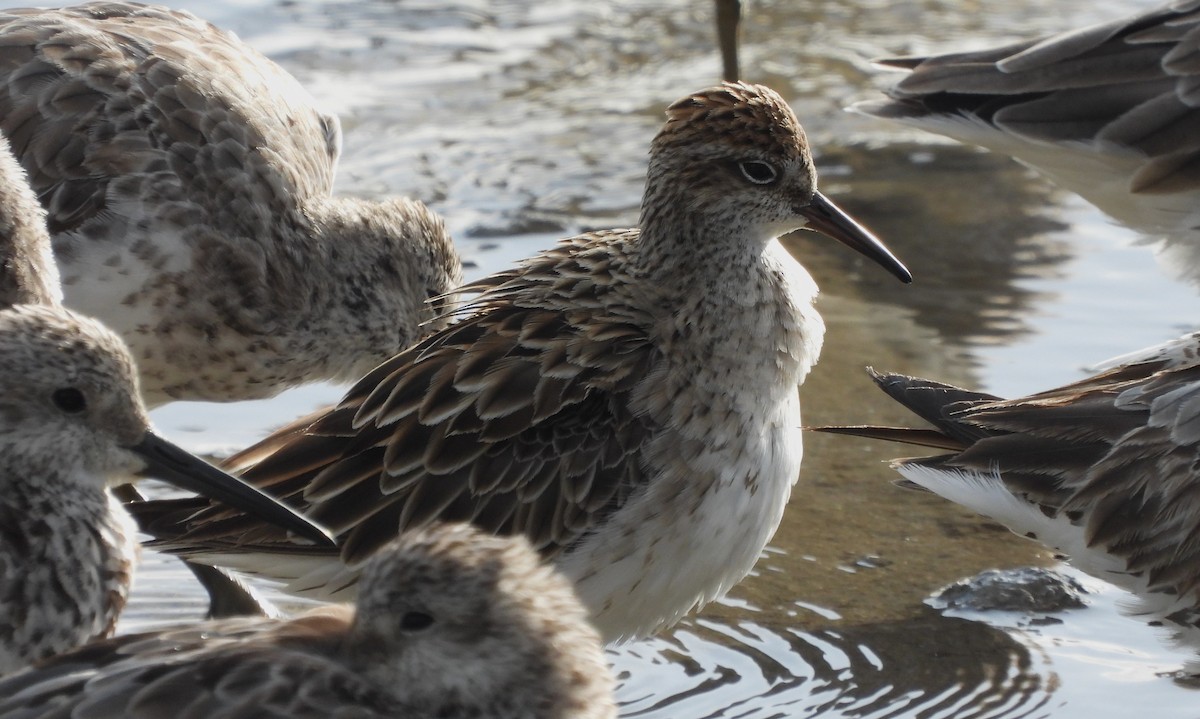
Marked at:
<point>696,532</point>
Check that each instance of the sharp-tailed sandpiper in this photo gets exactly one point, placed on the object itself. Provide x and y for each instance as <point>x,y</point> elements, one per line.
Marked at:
<point>187,180</point>
<point>450,622</point>
<point>1107,111</point>
<point>71,421</point>
<point>1103,470</point>
<point>627,399</point>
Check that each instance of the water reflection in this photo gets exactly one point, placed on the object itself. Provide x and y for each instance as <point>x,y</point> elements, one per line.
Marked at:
<point>744,669</point>
<point>970,225</point>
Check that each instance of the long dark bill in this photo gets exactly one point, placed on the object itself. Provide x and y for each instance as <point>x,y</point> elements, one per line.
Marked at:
<point>172,464</point>
<point>829,219</point>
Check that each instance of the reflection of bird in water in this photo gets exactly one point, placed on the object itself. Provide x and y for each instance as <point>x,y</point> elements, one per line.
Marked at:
<point>1110,112</point>
<point>1106,470</point>
<point>967,670</point>
<point>187,181</point>
<point>450,622</point>
<point>626,399</point>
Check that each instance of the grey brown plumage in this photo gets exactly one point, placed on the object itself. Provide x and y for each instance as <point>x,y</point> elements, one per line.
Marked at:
<point>1108,111</point>
<point>1103,469</point>
<point>449,623</point>
<point>187,181</point>
<point>625,399</point>
<point>28,275</point>
<point>71,423</point>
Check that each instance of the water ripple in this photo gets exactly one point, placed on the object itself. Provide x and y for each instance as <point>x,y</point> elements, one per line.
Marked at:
<point>928,667</point>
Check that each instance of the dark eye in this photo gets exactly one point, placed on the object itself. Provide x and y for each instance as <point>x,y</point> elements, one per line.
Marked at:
<point>415,621</point>
<point>69,400</point>
<point>760,173</point>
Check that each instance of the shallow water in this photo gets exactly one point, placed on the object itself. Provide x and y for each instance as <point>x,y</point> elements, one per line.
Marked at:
<point>523,122</point>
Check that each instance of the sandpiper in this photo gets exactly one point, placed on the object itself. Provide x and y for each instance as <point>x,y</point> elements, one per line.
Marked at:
<point>450,622</point>
<point>187,182</point>
<point>1103,470</point>
<point>626,400</point>
<point>71,422</point>
<point>1108,111</point>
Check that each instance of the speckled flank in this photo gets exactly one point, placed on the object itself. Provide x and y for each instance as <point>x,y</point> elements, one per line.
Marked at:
<point>72,423</point>
<point>450,623</point>
<point>627,399</point>
<point>28,274</point>
<point>66,548</point>
<point>187,182</point>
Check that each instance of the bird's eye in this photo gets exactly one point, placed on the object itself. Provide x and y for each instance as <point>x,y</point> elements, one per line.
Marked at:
<point>760,173</point>
<point>69,400</point>
<point>415,621</point>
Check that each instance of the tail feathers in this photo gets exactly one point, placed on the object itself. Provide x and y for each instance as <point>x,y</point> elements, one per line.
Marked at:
<point>935,402</point>
<point>906,62</point>
<point>903,435</point>
<point>987,493</point>
<point>164,519</point>
<point>230,596</point>
<point>253,455</point>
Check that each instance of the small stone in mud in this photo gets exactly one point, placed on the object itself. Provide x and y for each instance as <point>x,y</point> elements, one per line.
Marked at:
<point>872,561</point>
<point>1027,589</point>
<point>867,561</point>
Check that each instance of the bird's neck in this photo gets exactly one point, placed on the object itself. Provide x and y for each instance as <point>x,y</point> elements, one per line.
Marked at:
<point>688,257</point>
